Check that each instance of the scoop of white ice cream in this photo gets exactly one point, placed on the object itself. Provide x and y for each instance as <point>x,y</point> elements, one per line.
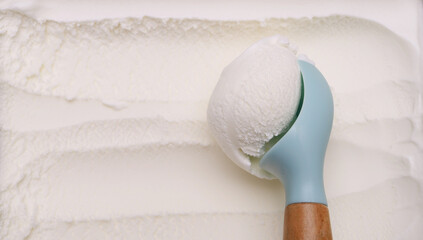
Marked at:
<point>256,99</point>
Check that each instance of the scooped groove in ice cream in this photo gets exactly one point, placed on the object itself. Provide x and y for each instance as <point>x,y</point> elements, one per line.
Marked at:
<point>256,99</point>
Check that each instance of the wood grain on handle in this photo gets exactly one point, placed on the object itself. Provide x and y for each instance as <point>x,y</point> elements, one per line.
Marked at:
<point>307,221</point>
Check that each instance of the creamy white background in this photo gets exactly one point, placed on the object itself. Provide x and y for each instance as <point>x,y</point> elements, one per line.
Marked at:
<point>399,16</point>
<point>402,17</point>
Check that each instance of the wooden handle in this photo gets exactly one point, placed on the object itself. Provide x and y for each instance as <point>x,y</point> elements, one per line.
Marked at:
<point>307,221</point>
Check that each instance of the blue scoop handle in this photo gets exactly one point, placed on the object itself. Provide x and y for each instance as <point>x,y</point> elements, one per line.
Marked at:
<point>297,158</point>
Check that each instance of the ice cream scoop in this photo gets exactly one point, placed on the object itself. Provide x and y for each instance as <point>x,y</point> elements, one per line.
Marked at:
<point>256,99</point>
<point>297,160</point>
<point>295,155</point>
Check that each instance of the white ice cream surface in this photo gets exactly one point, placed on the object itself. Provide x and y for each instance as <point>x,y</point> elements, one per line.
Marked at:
<point>256,99</point>
<point>104,135</point>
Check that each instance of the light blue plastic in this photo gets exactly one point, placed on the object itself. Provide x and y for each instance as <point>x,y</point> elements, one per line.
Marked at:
<point>297,158</point>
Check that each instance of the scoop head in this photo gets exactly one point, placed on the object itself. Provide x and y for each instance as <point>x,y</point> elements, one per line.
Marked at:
<point>297,158</point>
